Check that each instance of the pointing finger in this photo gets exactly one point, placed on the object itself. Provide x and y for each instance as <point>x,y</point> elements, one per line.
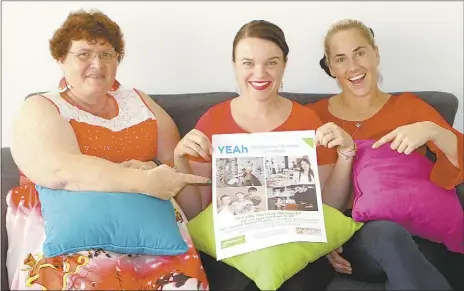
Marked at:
<point>409,150</point>
<point>386,138</point>
<point>194,179</point>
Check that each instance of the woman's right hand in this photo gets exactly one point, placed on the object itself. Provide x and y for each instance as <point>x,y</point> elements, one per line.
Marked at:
<point>338,262</point>
<point>165,182</point>
<point>331,135</point>
<point>195,143</point>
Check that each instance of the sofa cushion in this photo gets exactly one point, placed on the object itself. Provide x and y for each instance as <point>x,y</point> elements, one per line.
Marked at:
<point>280,262</point>
<point>397,187</point>
<point>10,179</point>
<point>10,175</point>
<point>345,282</point>
<point>150,228</point>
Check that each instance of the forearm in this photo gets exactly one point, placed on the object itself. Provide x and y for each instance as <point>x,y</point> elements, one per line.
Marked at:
<point>79,172</point>
<point>189,199</point>
<point>447,142</point>
<point>337,188</point>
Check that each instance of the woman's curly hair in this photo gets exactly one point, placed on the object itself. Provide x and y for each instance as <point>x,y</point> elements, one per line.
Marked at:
<point>91,26</point>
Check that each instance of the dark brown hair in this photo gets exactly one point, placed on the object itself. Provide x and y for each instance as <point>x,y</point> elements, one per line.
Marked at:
<point>264,30</point>
<point>91,26</point>
<point>310,172</point>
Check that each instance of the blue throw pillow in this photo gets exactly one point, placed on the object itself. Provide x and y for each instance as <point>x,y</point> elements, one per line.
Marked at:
<point>118,222</point>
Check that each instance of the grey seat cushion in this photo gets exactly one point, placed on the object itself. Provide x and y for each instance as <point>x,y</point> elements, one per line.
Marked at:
<point>344,282</point>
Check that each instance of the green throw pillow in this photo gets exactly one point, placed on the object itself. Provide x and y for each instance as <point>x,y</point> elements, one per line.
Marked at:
<point>269,268</point>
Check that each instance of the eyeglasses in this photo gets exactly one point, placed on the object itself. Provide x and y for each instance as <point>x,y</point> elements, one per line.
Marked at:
<point>88,56</point>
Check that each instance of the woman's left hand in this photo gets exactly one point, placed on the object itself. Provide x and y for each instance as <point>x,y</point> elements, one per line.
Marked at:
<point>196,144</point>
<point>136,164</point>
<point>405,139</point>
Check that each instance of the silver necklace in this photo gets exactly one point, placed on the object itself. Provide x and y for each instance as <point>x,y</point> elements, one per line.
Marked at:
<point>357,124</point>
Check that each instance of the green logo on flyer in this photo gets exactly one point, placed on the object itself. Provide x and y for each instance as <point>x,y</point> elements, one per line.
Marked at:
<point>309,141</point>
<point>233,242</point>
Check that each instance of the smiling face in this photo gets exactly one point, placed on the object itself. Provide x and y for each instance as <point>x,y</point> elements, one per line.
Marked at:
<point>353,60</point>
<point>305,165</point>
<point>240,196</point>
<point>259,67</point>
<point>225,200</point>
<point>94,76</point>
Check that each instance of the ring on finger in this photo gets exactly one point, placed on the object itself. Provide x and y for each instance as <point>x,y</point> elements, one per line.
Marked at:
<point>332,135</point>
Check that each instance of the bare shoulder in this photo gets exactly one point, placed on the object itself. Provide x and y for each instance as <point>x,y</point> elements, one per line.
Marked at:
<point>39,113</point>
<point>37,109</point>
<point>40,130</point>
<point>38,104</point>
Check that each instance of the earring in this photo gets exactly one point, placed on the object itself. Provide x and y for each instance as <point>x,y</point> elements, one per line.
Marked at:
<point>115,86</point>
<point>379,78</point>
<point>63,85</point>
<point>281,86</point>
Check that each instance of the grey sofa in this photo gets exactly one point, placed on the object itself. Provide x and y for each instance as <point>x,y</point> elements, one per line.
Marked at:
<point>186,109</point>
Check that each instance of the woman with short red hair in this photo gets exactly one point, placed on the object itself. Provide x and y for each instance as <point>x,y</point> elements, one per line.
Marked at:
<point>92,134</point>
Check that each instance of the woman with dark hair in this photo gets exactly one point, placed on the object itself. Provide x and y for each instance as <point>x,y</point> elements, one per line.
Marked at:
<point>306,174</point>
<point>259,55</point>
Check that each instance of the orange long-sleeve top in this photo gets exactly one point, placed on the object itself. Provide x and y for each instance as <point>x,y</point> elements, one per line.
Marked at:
<point>400,110</point>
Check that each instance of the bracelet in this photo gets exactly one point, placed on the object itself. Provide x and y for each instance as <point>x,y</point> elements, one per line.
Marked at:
<point>157,162</point>
<point>348,154</point>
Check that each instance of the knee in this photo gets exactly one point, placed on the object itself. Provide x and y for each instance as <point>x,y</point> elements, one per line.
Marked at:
<point>387,231</point>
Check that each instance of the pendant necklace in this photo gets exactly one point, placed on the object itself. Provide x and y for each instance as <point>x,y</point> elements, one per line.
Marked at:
<point>357,124</point>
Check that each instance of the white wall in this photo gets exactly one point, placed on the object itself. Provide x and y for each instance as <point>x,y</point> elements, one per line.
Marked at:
<point>186,46</point>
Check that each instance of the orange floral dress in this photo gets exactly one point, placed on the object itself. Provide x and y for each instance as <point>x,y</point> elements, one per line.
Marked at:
<point>131,134</point>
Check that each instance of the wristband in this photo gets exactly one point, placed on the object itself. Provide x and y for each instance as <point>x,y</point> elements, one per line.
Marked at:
<point>348,154</point>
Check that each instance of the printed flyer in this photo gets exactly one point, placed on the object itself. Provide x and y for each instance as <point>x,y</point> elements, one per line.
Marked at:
<point>266,191</point>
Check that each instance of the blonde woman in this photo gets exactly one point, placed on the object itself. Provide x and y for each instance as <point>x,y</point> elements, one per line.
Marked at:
<point>384,250</point>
